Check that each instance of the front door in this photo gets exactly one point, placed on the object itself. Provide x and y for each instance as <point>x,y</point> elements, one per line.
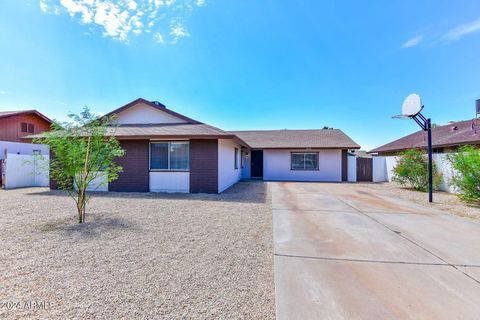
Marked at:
<point>364,169</point>
<point>257,164</point>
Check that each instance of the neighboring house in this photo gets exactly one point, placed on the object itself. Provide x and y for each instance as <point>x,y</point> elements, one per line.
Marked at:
<point>169,152</point>
<point>445,138</point>
<point>14,126</point>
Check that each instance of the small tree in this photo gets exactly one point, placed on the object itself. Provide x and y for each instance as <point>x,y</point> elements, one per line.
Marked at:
<point>81,151</point>
<point>412,170</point>
<point>466,173</point>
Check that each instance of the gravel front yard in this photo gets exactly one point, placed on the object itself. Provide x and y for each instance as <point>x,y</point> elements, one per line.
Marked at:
<point>138,255</point>
<point>444,201</point>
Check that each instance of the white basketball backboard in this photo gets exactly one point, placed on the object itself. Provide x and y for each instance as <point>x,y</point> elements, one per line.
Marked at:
<point>412,105</point>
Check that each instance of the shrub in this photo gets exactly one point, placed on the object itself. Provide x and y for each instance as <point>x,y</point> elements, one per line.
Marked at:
<point>466,173</point>
<point>412,170</point>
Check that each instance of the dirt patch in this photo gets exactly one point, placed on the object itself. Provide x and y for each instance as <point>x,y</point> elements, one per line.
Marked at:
<point>444,201</point>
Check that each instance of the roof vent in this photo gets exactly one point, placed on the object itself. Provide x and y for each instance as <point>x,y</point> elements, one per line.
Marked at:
<point>157,103</point>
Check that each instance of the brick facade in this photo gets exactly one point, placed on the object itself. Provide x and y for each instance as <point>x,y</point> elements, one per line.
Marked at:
<point>135,163</point>
<point>204,166</point>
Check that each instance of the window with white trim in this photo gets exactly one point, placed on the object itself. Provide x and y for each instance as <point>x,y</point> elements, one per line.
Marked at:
<point>306,161</point>
<point>170,156</point>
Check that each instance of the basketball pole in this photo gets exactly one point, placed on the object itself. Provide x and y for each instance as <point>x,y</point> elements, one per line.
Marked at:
<point>426,125</point>
<point>430,161</point>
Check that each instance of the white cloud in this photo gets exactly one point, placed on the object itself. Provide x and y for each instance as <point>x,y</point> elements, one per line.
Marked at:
<point>412,42</point>
<point>158,37</point>
<point>132,5</point>
<point>123,19</point>
<point>2,92</point>
<point>43,6</point>
<point>178,31</point>
<point>461,30</point>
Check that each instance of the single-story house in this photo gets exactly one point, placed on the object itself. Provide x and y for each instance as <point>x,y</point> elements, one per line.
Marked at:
<point>445,138</point>
<point>169,152</point>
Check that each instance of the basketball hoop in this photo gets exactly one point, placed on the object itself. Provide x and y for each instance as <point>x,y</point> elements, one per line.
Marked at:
<point>411,109</point>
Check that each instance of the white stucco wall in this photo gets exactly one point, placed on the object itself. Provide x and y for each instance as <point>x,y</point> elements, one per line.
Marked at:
<point>390,162</point>
<point>352,168</point>
<point>21,148</point>
<point>276,166</point>
<point>26,171</point>
<point>227,174</point>
<point>444,167</point>
<point>170,182</point>
<point>379,170</point>
<point>99,184</point>
<point>145,114</point>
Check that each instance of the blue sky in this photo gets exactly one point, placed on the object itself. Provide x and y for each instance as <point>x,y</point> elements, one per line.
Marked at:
<point>246,64</point>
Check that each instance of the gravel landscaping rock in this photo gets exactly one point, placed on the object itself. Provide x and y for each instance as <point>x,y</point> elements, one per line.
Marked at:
<point>139,256</point>
<point>444,201</point>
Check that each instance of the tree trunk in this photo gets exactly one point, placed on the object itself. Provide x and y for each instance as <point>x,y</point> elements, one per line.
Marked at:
<point>82,189</point>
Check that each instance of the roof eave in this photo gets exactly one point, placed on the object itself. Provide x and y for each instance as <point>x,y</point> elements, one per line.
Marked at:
<point>153,105</point>
<point>24,112</point>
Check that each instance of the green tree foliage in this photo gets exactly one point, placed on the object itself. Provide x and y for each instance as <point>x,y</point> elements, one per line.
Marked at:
<point>466,173</point>
<point>412,170</point>
<point>81,151</point>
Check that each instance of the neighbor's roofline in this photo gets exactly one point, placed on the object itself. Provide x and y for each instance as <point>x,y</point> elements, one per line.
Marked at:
<point>456,144</point>
<point>153,105</point>
<point>23,112</point>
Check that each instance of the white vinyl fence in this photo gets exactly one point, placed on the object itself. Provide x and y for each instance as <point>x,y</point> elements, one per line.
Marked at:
<point>352,168</point>
<point>25,171</point>
<point>383,169</point>
<point>7,147</point>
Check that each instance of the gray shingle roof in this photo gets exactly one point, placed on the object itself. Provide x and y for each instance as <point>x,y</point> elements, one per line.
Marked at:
<point>452,134</point>
<point>147,131</point>
<point>181,129</point>
<point>282,139</point>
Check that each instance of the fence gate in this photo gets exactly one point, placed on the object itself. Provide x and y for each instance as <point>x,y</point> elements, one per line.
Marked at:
<point>364,169</point>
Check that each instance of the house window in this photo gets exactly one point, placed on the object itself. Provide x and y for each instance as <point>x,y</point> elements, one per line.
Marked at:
<point>27,127</point>
<point>236,158</point>
<point>307,161</point>
<point>169,156</point>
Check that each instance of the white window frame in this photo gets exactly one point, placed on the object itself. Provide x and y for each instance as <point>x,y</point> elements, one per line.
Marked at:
<point>168,154</point>
<point>304,154</point>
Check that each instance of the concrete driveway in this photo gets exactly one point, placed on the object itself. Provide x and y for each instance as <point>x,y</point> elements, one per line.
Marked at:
<point>342,252</point>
